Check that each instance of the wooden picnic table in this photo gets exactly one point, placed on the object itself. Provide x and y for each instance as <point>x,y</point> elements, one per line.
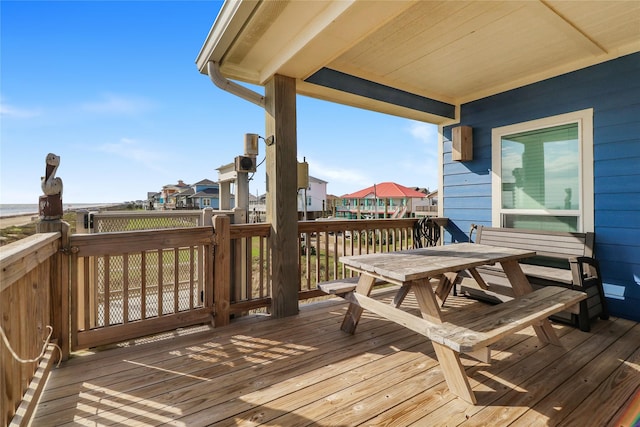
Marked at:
<point>413,269</point>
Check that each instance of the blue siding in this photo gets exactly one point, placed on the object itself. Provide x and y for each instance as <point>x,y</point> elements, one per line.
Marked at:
<point>618,149</point>
<point>612,89</point>
<point>615,184</point>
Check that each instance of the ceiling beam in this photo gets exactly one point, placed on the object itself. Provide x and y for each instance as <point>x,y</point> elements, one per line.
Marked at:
<point>358,86</point>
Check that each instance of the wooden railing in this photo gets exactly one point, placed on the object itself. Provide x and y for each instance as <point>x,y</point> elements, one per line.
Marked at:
<point>323,242</point>
<point>26,302</point>
<point>130,284</point>
<point>113,221</point>
<point>250,278</point>
<point>426,208</point>
<point>126,285</point>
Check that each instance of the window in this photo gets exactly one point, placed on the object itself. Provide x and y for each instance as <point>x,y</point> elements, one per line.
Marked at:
<point>543,173</point>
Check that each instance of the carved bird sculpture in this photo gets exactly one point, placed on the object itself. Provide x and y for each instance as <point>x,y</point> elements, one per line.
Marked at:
<point>50,184</point>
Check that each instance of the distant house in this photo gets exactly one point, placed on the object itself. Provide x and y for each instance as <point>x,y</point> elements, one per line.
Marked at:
<point>207,198</point>
<point>206,194</point>
<point>433,198</point>
<point>315,202</point>
<point>202,194</point>
<point>428,207</point>
<point>332,202</point>
<point>257,208</point>
<point>423,190</point>
<point>152,200</point>
<point>182,198</point>
<point>384,200</point>
<point>167,198</point>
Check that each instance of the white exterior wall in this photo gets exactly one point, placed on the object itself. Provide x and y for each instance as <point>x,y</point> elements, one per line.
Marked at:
<point>317,191</point>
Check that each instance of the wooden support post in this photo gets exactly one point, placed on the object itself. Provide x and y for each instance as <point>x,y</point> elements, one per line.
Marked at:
<point>241,251</point>
<point>281,174</point>
<point>59,282</point>
<point>76,299</point>
<point>224,201</point>
<point>207,217</point>
<point>222,270</point>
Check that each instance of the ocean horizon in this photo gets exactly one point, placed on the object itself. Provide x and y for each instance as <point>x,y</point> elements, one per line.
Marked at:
<point>16,209</point>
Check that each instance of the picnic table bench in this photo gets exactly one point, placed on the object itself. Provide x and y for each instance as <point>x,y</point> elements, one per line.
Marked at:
<point>562,259</point>
<point>472,335</point>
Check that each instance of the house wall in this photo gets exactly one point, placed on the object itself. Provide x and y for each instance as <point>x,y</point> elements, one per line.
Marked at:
<point>214,200</point>
<point>612,89</point>
<point>317,191</point>
<point>200,203</point>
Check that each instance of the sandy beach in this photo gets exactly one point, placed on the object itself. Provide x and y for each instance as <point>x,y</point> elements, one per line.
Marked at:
<point>20,219</point>
<point>16,221</point>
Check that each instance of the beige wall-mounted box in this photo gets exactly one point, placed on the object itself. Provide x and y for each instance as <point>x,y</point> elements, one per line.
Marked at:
<point>462,143</point>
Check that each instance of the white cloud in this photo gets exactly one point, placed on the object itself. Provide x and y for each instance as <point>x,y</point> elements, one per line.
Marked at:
<point>341,180</point>
<point>106,104</point>
<point>118,104</point>
<point>11,111</point>
<point>424,132</point>
<point>134,150</point>
<point>422,168</point>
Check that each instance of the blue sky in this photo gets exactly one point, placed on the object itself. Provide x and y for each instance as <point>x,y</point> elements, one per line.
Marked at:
<point>112,88</point>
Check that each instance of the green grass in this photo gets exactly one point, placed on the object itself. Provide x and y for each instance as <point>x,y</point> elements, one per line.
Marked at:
<point>13,234</point>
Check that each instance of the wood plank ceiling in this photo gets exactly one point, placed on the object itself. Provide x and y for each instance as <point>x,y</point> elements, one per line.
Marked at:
<point>416,59</point>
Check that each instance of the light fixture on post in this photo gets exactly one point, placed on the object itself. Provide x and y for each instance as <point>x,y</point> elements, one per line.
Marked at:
<point>251,143</point>
<point>303,174</point>
<point>462,143</point>
<point>247,163</point>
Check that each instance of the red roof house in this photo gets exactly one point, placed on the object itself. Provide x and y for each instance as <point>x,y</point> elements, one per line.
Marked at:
<point>388,190</point>
<point>384,200</point>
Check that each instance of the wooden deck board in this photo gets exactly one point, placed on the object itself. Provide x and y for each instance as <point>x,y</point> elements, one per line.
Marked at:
<point>517,401</point>
<point>491,383</point>
<point>303,370</point>
<point>584,381</point>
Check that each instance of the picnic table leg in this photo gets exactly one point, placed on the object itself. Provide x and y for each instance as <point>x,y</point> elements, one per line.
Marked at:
<point>521,286</point>
<point>446,282</point>
<point>401,295</point>
<point>479,280</point>
<point>452,368</point>
<point>351,319</point>
<point>454,373</point>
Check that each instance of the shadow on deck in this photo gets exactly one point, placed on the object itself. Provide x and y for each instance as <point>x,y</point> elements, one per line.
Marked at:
<point>303,370</point>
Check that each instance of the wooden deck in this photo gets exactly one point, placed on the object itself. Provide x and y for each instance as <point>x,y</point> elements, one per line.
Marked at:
<point>303,370</point>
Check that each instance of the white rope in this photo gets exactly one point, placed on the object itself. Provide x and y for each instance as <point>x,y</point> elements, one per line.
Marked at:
<point>37,359</point>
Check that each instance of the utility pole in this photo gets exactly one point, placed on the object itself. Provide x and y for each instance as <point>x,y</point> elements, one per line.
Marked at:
<point>375,202</point>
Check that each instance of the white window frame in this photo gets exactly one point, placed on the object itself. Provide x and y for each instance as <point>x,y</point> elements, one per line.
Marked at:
<point>584,119</point>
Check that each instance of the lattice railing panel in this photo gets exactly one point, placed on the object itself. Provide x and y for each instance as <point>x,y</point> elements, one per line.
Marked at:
<point>126,287</point>
<point>111,223</point>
